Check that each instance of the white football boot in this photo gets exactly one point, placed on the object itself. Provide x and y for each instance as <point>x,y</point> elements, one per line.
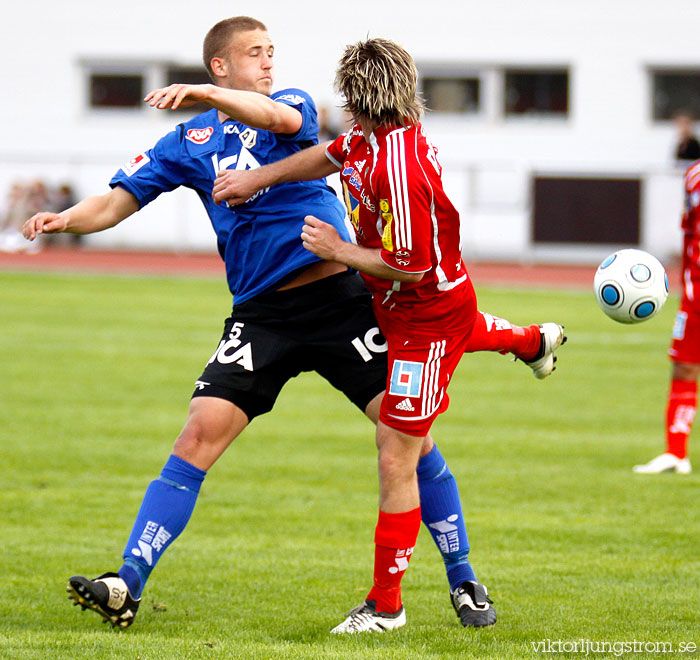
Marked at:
<point>365,618</point>
<point>664,463</point>
<point>552,337</point>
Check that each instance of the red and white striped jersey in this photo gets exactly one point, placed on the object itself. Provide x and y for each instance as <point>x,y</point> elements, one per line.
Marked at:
<point>393,192</point>
<point>691,212</point>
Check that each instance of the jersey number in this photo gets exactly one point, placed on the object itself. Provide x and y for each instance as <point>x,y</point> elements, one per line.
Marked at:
<point>229,351</point>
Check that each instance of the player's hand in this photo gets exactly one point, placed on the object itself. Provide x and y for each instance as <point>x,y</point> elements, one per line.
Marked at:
<point>235,186</point>
<point>178,96</point>
<point>44,223</point>
<point>321,238</point>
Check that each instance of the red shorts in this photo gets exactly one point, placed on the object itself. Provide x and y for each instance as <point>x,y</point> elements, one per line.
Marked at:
<point>416,389</point>
<point>426,341</point>
<point>685,338</point>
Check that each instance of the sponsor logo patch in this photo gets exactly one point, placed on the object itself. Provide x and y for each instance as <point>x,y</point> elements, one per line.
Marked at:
<point>135,164</point>
<point>199,135</point>
<point>387,241</point>
<point>406,379</point>
<point>153,537</point>
<point>678,331</point>
<point>353,177</point>
<point>294,99</point>
<point>448,533</point>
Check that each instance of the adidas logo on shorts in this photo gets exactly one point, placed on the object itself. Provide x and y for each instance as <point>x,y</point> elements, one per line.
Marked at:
<point>405,405</point>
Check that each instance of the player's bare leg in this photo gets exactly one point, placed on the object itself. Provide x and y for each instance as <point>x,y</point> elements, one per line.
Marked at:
<point>441,513</point>
<point>681,408</point>
<point>395,535</point>
<point>212,424</point>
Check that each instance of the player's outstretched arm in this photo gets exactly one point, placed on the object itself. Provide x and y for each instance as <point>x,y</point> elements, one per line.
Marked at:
<point>250,108</point>
<point>91,215</point>
<point>324,241</point>
<point>237,186</point>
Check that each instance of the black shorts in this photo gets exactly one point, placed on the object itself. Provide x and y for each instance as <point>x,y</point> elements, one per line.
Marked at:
<point>326,326</point>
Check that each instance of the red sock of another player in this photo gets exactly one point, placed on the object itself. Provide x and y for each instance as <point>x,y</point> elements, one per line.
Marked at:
<point>680,413</point>
<point>493,334</point>
<point>394,538</point>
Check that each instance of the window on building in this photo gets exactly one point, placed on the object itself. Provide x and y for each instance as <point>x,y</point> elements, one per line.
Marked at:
<point>675,90</point>
<point>460,95</point>
<point>116,90</point>
<point>536,92</point>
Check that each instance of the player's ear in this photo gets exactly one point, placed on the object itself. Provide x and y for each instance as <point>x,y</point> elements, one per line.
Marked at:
<point>219,67</point>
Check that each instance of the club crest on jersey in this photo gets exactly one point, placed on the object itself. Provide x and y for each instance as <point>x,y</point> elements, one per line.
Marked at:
<point>403,257</point>
<point>199,135</point>
<point>248,137</point>
<point>135,164</point>
<point>406,379</point>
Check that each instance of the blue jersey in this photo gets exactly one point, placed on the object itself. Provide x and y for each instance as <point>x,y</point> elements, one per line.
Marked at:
<point>260,240</point>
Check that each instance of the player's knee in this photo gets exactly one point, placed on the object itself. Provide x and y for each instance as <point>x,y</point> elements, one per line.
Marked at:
<point>396,466</point>
<point>197,436</point>
<point>686,371</point>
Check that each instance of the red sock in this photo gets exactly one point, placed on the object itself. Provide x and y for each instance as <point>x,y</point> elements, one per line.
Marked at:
<point>680,413</point>
<point>394,538</point>
<point>493,334</point>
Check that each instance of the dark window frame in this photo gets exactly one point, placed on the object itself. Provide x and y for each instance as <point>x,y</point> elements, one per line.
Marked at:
<point>663,110</point>
<point>538,105</point>
<point>472,103</point>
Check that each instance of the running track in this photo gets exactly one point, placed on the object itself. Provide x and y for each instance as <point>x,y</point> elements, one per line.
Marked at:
<point>71,260</point>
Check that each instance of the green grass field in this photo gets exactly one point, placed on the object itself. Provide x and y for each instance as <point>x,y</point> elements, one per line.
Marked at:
<point>96,376</point>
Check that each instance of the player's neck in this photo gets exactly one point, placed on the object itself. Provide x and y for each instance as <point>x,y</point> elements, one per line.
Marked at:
<point>367,125</point>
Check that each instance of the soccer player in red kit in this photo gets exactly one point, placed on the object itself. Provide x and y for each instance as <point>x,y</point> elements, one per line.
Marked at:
<point>685,343</point>
<point>408,252</point>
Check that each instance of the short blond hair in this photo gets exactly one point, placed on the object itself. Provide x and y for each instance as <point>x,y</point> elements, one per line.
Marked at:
<point>378,79</point>
<point>218,39</point>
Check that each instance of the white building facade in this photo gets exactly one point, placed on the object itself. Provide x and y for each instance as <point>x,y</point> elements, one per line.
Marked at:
<point>525,94</point>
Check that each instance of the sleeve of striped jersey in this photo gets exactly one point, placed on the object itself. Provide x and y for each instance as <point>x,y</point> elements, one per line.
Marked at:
<point>335,151</point>
<point>692,178</point>
<point>405,203</point>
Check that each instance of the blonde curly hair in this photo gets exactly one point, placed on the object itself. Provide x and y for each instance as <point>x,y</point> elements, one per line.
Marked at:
<point>378,79</point>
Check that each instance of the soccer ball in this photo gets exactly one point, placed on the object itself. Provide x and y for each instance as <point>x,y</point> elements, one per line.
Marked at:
<point>631,286</point>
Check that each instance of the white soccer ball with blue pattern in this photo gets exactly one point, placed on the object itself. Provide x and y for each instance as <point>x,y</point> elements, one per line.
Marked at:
<point>631,286</point>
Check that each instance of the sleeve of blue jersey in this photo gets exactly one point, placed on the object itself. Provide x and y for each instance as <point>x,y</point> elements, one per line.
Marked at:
<point>300,100</point>
<point>161,173</point>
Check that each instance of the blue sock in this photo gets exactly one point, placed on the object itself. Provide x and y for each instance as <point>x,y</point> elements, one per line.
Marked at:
<point>441,512</point>
<point>165,511</point>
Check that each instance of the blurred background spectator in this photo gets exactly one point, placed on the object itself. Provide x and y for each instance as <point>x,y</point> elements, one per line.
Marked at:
<point>23,201</point>
<point>688,148</point>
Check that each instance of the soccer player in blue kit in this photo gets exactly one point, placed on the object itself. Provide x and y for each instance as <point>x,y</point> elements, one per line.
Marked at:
<point>292,311</point>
